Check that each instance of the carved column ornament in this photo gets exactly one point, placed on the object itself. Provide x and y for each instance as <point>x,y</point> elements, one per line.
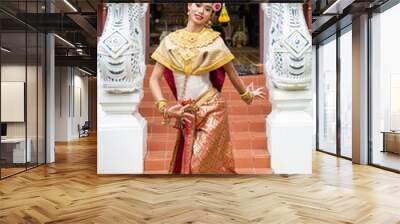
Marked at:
<point>120,59</point>
<point>289,49</point>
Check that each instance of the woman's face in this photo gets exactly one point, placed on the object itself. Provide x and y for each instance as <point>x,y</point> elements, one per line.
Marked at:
<point>200,13</point>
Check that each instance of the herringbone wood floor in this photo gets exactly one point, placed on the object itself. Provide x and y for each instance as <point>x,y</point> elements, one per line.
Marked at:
<point>70,191</point>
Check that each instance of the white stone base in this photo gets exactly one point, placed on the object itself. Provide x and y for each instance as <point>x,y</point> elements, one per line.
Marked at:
<point>121,137</point>
<point>290,132</point>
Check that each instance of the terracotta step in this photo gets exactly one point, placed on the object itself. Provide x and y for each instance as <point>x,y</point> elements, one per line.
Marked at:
<point>226,87</point>
<point>147,109</point>
<point>240,141</point>
<point>228,95</point>
<point>168,146</point>
<point>150,67</point>
<point>251,158</point>
<point>157,140</point>
<point>232,118</point>
<point>238,170</point>
<point>255,156</point>
<point>254,171</point>
<point>159,160</point>
<point>154,165</point>
<point>232,98</point>
<point>237,123</point>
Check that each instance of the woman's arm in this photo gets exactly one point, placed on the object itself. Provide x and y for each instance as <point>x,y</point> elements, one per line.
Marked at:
<point>247,93</point>
<point>177,110</point>
<point>234,77</point>
<point>154,83</point>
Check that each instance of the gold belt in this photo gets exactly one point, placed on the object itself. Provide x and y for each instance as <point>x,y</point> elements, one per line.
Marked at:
<point>195,104</point>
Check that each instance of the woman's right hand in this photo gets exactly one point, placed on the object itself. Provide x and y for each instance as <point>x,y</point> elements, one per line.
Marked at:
<point>177,111</point>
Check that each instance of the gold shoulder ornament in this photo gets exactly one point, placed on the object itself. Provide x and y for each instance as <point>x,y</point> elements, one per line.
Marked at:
<point>193,53</point>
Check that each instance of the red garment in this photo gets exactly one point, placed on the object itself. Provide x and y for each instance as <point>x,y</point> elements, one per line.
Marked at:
<point>217,78</point>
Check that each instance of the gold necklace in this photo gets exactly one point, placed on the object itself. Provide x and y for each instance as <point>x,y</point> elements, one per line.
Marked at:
<point>192,40</point>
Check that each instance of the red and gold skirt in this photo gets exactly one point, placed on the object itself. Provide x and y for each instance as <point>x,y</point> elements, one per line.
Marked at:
<point>204,146</point>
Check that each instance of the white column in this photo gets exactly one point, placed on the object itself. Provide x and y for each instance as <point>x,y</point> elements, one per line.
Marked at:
<point>288,69</point>
<point>63,103</point>
<point>50,99</point>
<point>122,131</point>
<point>290,132</point>
<point>360,90</point>
<point>121,135</point>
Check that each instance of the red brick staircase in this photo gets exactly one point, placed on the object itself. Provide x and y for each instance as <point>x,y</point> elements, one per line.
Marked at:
<point>247,127</point>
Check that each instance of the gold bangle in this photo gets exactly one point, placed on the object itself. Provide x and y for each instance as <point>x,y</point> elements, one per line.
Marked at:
<point>247,97</point>
<point>161,104</point>
<point>162,107</point>
<point>166,117</point>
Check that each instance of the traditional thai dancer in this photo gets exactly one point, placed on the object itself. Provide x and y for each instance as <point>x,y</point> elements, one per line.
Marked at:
<point>193,61</point>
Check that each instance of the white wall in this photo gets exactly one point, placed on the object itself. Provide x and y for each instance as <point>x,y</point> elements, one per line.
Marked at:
<point>80,103</point>
<point>12,73</point>
<point>62,81</point>
<point>71,94</point>
<point>33,127</point>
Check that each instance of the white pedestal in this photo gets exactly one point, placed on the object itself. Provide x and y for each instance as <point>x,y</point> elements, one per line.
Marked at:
<point>121,135</point>
<point>290,132</point>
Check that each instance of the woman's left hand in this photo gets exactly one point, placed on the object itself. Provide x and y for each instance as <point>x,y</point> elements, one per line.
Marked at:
<point>258,93</point>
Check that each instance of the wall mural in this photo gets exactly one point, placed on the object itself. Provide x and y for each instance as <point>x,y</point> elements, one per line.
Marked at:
<point>191,109</point>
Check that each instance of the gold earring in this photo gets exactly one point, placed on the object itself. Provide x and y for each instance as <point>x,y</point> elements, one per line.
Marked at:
<point>210,23</point>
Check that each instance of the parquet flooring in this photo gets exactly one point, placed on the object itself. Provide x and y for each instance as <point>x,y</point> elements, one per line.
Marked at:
<point>70,191</point>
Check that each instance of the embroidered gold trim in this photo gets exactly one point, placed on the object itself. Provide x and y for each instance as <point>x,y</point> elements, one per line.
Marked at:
<point>218,64</point>
<point>184,56</point>
<point>227,58</point>
<point>159,58</point>
<point>190,40</point>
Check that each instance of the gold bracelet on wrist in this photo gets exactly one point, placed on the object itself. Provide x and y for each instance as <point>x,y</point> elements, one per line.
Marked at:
<point>160,104</point>
<point>162,108</point>
<point>166,118</point>
<point>247,97</point>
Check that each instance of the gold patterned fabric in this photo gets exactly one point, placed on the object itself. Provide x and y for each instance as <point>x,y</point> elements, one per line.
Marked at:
<point>192,53</point>
<point>204,146</point>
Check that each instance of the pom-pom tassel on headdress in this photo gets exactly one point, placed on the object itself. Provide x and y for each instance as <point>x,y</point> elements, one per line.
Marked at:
<point>223,16</point>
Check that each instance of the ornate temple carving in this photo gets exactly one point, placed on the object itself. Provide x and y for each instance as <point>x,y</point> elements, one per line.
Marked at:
<point>288,46</point>
<point>120,56</point>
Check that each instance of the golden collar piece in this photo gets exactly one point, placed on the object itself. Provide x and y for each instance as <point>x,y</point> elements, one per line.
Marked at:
<point>190,40</point>
<point>192,53</point>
